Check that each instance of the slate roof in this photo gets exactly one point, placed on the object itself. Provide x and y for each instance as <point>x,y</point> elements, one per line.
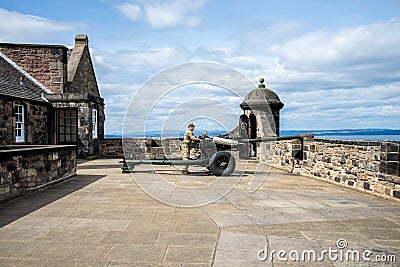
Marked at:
<point>15,82</point>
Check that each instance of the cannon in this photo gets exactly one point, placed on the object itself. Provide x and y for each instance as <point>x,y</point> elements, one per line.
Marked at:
<point>219,162</point>
<point>212,156</point>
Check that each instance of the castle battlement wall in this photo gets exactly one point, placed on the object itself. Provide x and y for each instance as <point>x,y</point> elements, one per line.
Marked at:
<point>362,165</point>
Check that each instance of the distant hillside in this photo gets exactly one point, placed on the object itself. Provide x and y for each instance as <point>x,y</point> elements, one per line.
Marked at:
<point>164,134</point>
<point>369,133</point>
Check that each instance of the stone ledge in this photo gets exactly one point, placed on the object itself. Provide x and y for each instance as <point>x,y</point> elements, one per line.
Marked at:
<point>349,142</point>
<point>33,167</point>
<point>10,150</point>
<point>38,188</point>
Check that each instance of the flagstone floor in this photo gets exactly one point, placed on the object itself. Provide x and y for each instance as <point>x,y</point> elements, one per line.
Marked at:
<point>159,217</point>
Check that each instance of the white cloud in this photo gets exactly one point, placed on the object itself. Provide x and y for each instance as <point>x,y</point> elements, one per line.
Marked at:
<point>353,85</point>
<point>349,47</point>
<point>164,14</point>
<point>360,107</point>
<point>130,11</point>
<point>326,78</point>
<point>18,27</point>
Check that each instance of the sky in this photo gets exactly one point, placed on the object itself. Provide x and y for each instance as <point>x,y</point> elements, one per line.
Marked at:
<point>333,63</point>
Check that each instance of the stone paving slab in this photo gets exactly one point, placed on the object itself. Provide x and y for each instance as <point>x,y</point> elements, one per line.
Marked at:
<point>133,253</point>
<point>142,237</point>
<point>189,255</point>
<point>72,236</point>
<point>103,218</point>
<point>227,258</point>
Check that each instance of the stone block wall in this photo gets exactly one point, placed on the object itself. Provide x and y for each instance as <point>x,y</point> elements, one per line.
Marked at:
<point>84,79</point>
<point>6,122</point>
<point>368,166</point>
<point>111,148</point>
<point>46,63</point>
<point>139,148</point>
<point>84,123</point>
<point>25,168</point>
<point>87,145</point>
<point>390,158</point>
<point>36,122</point>
<point>134,148</point>
<point>172,147</point>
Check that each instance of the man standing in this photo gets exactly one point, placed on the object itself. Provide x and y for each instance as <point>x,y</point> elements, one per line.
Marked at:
<point>188,139</point>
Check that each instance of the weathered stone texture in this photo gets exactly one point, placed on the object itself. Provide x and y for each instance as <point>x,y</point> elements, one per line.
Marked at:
<point>84,80</point>
<point>36,122</point>
<point>111,148</point>
<point>70,75</point>
<point>87,145</point>
<point>390,162</point>
<point>25,168</point>
<point>172,147</point>
<point>46,63</point>
<point>6,122</point>
<point>139,148</point>
<point>371,166</point>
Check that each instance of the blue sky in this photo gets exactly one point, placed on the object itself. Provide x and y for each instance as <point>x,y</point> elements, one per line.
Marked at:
<point>335,64</point>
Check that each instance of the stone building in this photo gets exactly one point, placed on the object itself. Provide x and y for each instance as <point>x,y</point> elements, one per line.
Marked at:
<point>261,108</point>
<point>71,108</point>
<point>25,115</point>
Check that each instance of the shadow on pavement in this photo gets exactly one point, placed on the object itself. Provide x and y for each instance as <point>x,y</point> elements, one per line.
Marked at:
<point>14,209</point>
<point>105,166</point>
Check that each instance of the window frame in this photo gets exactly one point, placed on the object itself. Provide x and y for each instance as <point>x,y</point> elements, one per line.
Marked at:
<point>67,126</point>
<point>19,123</point>
<point>94,123</point>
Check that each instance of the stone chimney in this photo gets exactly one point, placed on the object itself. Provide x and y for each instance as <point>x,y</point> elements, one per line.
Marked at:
<point>81,39</point>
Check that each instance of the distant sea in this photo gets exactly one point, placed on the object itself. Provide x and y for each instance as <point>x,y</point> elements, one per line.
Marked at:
<point>342,134</point>
<point>351,134</point>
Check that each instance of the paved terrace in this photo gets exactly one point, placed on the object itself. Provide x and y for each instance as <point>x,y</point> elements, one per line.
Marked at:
<point>102,218</point>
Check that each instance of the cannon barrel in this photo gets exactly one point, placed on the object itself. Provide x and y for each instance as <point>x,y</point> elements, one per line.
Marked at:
<point>275,138</point>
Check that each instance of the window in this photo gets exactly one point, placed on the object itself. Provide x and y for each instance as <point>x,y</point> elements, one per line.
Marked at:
<point>19,124</point>
<point>67,126</point>
<point>94,123</point>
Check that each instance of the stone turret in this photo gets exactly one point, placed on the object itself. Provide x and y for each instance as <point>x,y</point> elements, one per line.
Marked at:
<point>263,101</point>
<point>261,108</point>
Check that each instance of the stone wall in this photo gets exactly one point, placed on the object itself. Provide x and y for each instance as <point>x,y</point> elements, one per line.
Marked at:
<point>82,81</point>
<point>36,122</point>
<point>111,148</point>
<point>172,147</point>
<point>6,122</point>
<point>26,168</point>
<point>363,165</point>
<point>137,148</point>
<point>87,145</point>
<point>46,63</point>
<point>390,161</point>
<point>84,78</point>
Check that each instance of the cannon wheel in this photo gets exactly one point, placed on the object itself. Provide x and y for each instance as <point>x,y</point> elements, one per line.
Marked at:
<point>222,163</point>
